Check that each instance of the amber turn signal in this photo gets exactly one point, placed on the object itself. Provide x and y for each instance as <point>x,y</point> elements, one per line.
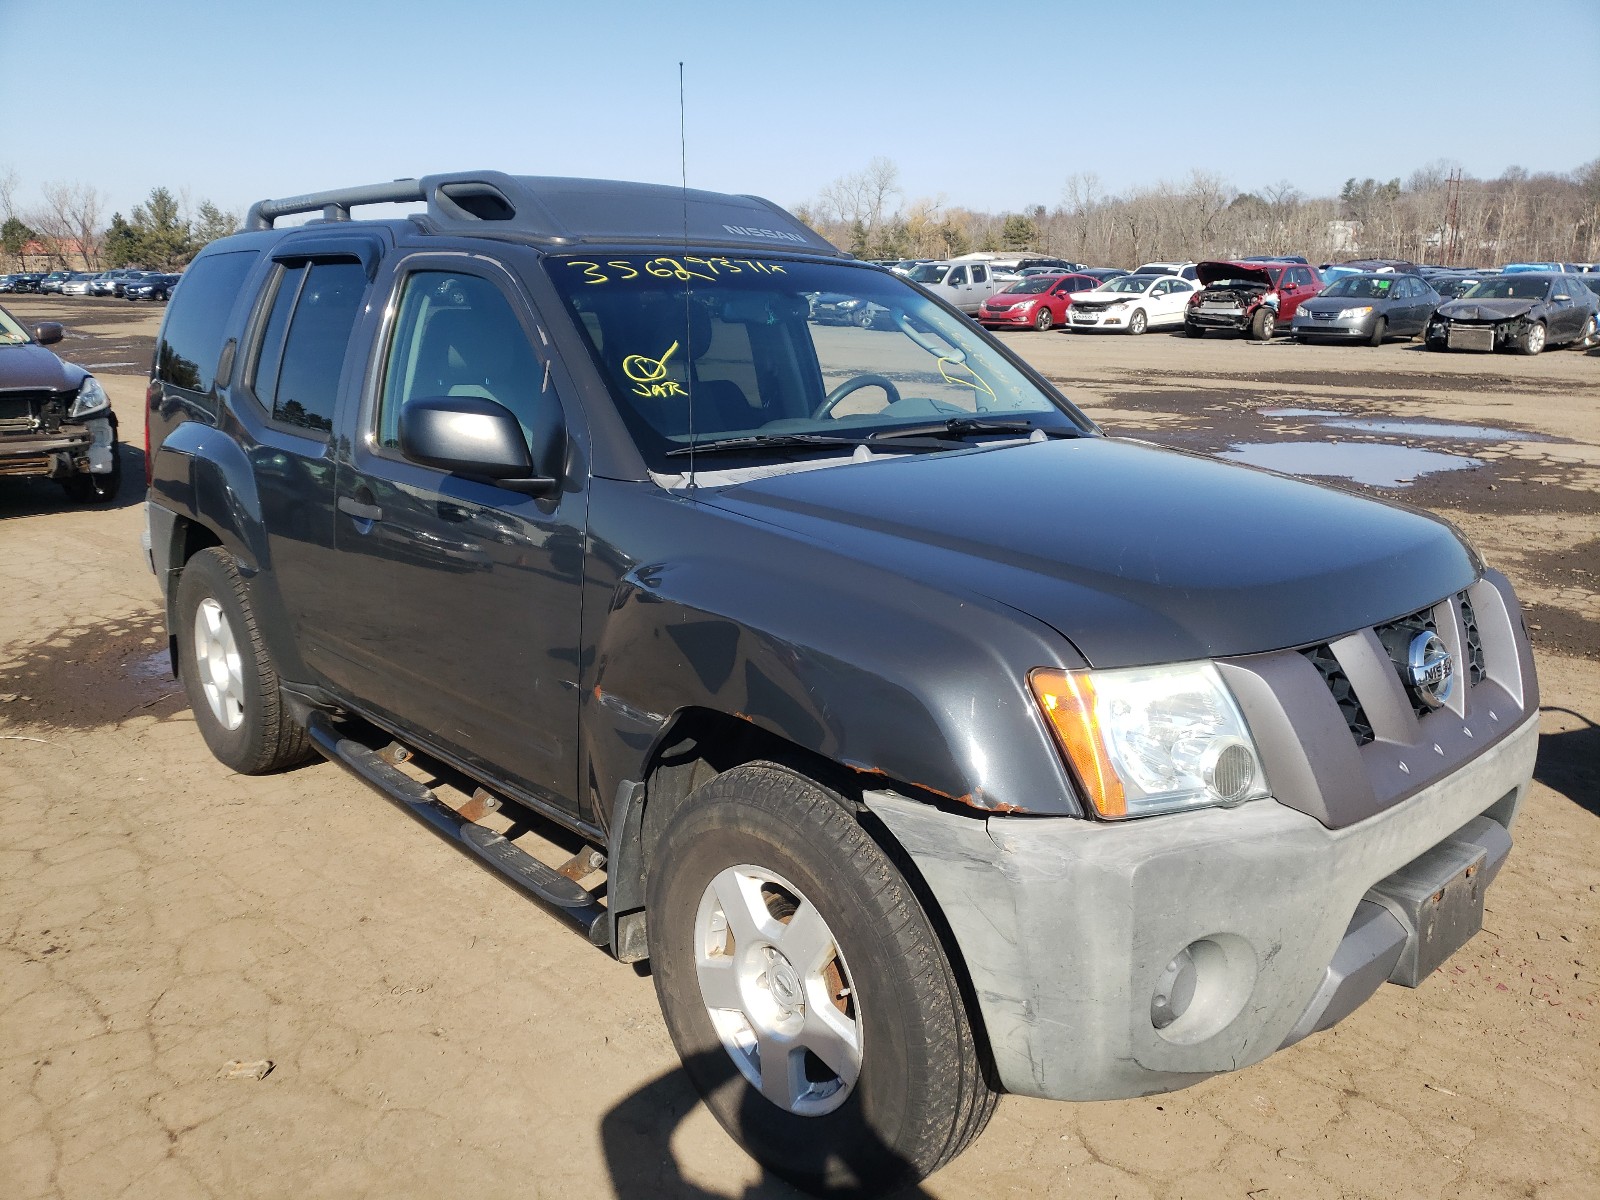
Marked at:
<point>1068,702</point>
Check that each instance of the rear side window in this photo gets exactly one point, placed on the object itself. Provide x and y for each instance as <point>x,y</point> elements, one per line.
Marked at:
<point>296,372</point>
<point>192,337</point>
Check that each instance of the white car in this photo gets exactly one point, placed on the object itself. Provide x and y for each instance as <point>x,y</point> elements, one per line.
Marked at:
<point>1132,303</point>
<point>1184,269</point>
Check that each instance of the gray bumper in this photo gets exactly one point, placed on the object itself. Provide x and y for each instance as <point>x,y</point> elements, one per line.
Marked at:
<point>1066,926</point>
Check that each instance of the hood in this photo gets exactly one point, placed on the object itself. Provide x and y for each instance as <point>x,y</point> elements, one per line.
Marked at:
<point>31,367</point>
<point>1214,272</point>
<point>1487,310</point>
<point>1011,299</point>
<point>1135,554</point>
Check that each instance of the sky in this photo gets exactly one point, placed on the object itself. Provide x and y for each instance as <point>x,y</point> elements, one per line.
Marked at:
<point>984,106</point>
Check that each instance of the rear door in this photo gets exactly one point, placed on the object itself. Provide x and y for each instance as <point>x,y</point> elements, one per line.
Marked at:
<point>469,593</point>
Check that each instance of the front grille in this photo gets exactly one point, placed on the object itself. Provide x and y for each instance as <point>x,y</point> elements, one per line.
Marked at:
<point>1397,637</point>
<point>1472,640</point>
<point>19,411</point>
<point>1355,717</point>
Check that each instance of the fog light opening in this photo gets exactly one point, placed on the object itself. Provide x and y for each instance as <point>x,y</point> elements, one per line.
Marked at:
<point>1174,990</point>
<point>1230,770</point>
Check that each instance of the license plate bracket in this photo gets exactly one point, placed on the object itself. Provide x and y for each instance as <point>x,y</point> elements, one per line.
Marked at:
<point>1439,899</point>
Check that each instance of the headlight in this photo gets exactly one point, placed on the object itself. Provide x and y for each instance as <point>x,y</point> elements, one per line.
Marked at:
<point>1349,314</point>
<point>1151,739</point>
<point>91,399</point>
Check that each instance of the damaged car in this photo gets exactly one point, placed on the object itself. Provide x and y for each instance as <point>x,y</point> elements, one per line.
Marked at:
<point>1251,298</point>
<point>55,418</point>
<point>1524,312</point>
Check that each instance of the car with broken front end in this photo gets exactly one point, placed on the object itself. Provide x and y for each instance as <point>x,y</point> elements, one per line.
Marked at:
<point>926,740</point>
<point>1523,312</point>
<point>1248,296</point>
<point>55,417</point>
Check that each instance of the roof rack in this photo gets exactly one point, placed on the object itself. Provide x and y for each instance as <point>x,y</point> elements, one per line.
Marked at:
<point>560,211</point>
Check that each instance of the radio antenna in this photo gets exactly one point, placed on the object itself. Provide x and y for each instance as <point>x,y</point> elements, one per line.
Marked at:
<point>688,323</point>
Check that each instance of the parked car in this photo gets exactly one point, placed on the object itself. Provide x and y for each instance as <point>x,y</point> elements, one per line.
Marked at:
<point>1132,304</point>
<point>930,741</point>
<point>1367,266</point>
<point>1367,308</point>
<point>55,418</point>
<point>966,285</point>
<point>50,285</point>
<point>1037,301</point>
<point>154,286</point>
<point>1185,270</point>
<point>1104,273</point>
<point>1248,296</point>
<point>27,281</point>
<point>109,283</point>
<point>1275,258</point>
<point>1524,311</point>
<point>78,283</point>
<point>8,283</point>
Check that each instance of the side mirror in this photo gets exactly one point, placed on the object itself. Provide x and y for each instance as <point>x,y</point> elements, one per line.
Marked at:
<point>48,333</point>
<point>467,435</point>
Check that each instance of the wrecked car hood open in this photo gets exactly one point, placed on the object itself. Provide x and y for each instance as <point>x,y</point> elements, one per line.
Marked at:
<point>1136,555</point>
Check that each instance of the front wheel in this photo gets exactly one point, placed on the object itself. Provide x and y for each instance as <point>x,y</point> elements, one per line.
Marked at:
<point>1532,339</point>
<point>89,488</point>
<point>1192,330</point>
<point>1379,328</point>
<point>1043,319</point>
<point>1262,325</point>
<point>1138,323</point>
<point>806,991</point>
<point>227,672</point>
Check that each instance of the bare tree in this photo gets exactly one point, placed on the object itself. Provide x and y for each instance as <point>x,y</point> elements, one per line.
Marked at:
<point>69,222</point>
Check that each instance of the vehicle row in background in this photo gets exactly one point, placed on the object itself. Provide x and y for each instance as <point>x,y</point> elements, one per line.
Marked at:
<point>86,283</point>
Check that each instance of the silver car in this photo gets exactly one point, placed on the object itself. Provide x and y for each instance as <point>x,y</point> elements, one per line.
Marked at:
<point>1367,308</point>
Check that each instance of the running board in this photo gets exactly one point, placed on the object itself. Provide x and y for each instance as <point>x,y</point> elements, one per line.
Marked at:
<point>527,874</point>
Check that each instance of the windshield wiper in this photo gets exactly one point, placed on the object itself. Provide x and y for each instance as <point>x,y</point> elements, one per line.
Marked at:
<point>960,427</point>
<point>764,441</point>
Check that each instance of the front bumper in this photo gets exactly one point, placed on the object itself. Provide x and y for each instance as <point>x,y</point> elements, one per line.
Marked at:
<point>57,455</point>
<point>1339,328</point>
<point>1067,926</point>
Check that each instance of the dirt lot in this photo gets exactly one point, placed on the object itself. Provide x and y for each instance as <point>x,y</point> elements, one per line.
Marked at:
<point>433,1035</point>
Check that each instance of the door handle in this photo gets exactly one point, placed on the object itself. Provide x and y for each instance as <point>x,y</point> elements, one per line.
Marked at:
<point>358,510</point>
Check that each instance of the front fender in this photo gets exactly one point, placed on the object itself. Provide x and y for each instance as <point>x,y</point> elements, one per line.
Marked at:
<point>920,686</point>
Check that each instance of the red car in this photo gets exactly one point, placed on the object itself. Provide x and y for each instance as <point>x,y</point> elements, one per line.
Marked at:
<point>1039,301</point>
<point>1252,298</point>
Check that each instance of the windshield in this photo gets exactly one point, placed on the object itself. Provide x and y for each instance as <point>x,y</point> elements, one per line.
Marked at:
<point>1516,287</point>
<point>927,273</point>
<point>11,334</point>
<point>1360,287</point>
<point>1031,286</point>
<point>1128,283</point>
<point>739,338</point>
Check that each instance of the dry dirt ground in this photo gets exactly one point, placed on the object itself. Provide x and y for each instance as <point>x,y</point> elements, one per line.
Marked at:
<point>432,1035</point>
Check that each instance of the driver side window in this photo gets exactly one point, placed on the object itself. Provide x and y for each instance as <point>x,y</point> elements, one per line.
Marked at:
<point>457,335</point>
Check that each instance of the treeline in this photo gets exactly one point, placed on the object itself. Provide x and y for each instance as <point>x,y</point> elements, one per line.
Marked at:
<point>1430,217</point>
<point>67,229</point>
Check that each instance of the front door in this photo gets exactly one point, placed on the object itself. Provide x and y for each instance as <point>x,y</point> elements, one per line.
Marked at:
<point>472,632</point>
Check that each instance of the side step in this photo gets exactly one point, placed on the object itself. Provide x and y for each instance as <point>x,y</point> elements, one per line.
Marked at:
<point>527,874</point>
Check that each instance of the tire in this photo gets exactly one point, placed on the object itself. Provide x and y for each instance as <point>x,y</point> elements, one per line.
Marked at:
<point>97,489</point>
<point>1380,327</point>
<point>1043,319</point>
<point>1590,335</point>
<point>760,847</point>
<point>1262,325</point>
<point>1193,330</point>
<point>1532,340</point>
<point>1138,323</point>
<point>242,717</point>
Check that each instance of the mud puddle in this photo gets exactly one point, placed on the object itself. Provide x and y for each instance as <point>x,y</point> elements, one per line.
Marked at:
<point>1374,464</point>
<point>90,677</point>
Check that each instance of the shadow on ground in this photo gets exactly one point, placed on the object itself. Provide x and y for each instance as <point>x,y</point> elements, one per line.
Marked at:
<point>1569,761</point>
<point>90,676</point>
<point>636,1135</point>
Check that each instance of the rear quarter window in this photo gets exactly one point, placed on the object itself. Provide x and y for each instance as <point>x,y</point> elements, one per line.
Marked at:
<point>196,324</point>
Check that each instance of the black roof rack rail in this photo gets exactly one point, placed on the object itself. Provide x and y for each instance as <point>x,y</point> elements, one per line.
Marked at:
<point>334,205</point>
<point>561,212</point>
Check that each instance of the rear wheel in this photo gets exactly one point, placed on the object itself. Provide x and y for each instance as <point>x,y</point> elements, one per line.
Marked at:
<point>1138,323</point>
<point>1590,335</point>
<point>1532,339</point>
<point>1379,328</point>
<point>1262,325</point>
<point>808,995</point>
<point>229,676</point>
